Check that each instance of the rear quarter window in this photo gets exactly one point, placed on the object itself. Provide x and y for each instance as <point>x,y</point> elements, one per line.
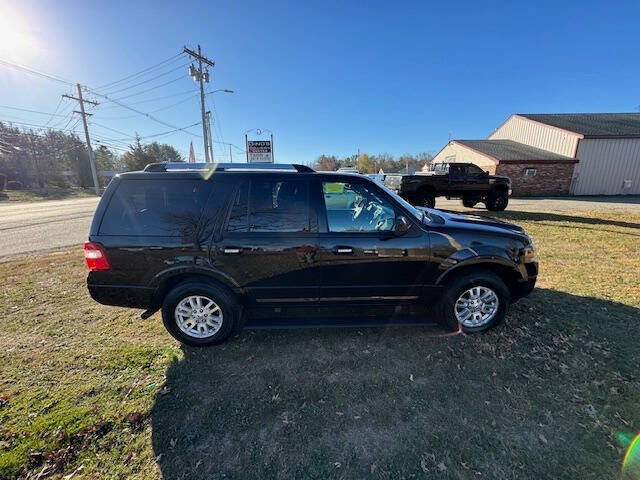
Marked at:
<point>169,208</point>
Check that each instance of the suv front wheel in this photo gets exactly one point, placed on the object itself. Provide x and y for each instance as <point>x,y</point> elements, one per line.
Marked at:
<point>199,313</point>
<point>474,302</point>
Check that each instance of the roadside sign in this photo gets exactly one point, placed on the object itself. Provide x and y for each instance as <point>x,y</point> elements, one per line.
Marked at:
<point>259,151</point>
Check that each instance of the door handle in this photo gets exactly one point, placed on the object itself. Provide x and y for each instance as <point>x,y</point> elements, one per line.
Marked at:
<point>232,250</point>
<point>343,250</point>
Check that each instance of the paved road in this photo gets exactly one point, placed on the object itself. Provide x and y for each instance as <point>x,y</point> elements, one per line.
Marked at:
<point>33,226</point>
<point>629,204</point>
<point>36,226</point>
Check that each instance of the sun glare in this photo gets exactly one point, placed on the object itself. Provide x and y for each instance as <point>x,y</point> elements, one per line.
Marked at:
<point>17,41</point>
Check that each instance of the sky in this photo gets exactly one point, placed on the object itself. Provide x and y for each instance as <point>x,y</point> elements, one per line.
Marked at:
<point>326,77</point>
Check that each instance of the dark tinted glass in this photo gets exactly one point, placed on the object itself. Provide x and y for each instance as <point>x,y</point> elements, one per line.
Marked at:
<point>238,218</point>
<point>155,208</point>
<point>278,205</point>
<point>475,170</point>
<point>457,170</point>
<point>216,209</point>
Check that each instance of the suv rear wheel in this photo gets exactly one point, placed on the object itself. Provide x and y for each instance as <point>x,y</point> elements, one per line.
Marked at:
<point>199,313</point>
<point>474,302</point>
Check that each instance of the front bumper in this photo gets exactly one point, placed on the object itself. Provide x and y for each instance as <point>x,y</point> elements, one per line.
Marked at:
<point>523,288</point>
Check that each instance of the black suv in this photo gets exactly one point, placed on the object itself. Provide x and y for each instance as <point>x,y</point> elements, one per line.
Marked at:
<point>208,242</point>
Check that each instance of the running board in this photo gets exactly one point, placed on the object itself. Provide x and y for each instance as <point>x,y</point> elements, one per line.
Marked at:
<point>371,322</point>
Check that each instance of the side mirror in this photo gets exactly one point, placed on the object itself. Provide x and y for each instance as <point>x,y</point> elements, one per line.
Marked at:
<point>401,226</point>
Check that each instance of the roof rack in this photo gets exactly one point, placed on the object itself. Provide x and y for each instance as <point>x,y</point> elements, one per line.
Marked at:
<point>227,167</point>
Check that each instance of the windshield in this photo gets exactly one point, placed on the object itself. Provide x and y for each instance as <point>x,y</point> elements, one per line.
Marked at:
<point>413,210</point>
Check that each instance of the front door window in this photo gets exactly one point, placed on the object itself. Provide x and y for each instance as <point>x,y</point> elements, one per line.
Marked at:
<point>355,207</point>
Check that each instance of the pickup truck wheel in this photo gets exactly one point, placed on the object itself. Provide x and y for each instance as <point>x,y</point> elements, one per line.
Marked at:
<point>200,314</point>
<point>429,201</point>
<point>469,202</point>
<point>497,202</point>
<point>474,302</point>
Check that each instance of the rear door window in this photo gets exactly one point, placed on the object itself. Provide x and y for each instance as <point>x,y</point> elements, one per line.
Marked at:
<point>277,205</point>
<point>169,208</point>
<point>458,170</point>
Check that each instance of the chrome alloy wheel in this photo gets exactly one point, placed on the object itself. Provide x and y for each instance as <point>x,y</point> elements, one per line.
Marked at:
<point>476,307</point>
<point>198,316</point>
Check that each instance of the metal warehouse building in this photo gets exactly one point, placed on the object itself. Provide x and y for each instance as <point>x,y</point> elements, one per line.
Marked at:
<point>559,154</point>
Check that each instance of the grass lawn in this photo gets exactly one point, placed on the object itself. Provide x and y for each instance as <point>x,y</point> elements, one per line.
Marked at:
<point>51,193</point>
<point>553,393</point>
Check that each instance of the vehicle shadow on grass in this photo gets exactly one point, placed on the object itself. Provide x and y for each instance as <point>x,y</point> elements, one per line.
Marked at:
<point>555,217</point>
<point>346,403</point>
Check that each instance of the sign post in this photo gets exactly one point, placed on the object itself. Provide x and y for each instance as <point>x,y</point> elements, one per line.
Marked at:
<point>259,151</point>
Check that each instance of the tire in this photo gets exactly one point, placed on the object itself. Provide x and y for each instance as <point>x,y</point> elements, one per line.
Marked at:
<point>469,202</point>
<point>459,286</point>
<point>497,201</point>
<point>228,314</point>
<point>427,200</point>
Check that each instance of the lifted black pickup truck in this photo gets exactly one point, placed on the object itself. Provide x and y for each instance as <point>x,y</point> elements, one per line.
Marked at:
<point>453,180</point>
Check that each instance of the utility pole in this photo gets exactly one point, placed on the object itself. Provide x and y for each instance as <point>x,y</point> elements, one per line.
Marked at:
<point>201,76</point>
<point>92,160</point>
<point>272,148</point>
<point>230,154</point>
<point>36,162</point>
<point>209,136</point>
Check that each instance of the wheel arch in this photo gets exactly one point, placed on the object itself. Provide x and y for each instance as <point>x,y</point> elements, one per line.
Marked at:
<point>166,281</point>
<point>500,188</point>
<point>507,271</point>
<point>426,190</point>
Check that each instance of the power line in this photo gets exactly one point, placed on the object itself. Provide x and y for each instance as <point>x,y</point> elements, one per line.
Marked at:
<point>152,111</point>
<point>155,119</point>
<point>112,147</point>
<point>108,128</point>
<point>159,134</point>
<point>35,72</point>
<point>141,72</point>
<point>148,80</point>
<point>152,99</point>
<point>54,114</point>
<point>70,120</point>
<point>217,125</point>
<point>150,89</point>
<point>67,111</point>
<point>33,125</point>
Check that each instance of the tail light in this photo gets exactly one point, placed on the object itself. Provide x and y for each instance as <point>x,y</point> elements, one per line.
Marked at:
<point>95,256</point>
